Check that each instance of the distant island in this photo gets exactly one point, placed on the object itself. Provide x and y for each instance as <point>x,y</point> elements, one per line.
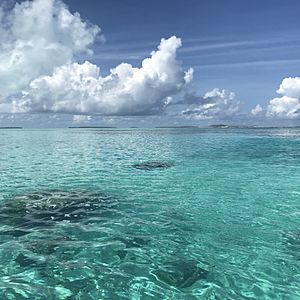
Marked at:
<point>92,127</point>
<point>10,127</point>
<point>184,126</point>
<point>219,126</point>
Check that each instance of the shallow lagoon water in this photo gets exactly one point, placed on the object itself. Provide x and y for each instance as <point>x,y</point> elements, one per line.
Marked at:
<point>150,214</point>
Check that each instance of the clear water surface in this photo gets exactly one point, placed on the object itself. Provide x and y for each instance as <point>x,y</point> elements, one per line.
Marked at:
<point>150,214</point>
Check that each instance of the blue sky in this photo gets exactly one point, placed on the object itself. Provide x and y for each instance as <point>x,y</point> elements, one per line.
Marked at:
<point>244,46</point>
<point>247,47</point>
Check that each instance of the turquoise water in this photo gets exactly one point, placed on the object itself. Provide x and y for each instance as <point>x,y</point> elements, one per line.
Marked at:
<point>150,214</point>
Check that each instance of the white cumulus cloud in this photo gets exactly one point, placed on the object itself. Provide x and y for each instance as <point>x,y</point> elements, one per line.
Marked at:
<point>35,37</point>
<point>216,103</point>
<point>127,90</point>
<point>257,110</point>
<point>284,107</point>
<point>288,105</point>
<point>290,87</point>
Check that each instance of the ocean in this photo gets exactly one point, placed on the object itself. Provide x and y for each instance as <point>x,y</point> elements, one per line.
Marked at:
<point>170,213</point>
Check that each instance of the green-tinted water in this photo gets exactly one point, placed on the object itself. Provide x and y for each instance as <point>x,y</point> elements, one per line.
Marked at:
<point>150,214</point>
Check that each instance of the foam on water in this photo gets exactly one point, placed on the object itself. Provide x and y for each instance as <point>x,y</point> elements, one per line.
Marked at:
<point>89,214</point>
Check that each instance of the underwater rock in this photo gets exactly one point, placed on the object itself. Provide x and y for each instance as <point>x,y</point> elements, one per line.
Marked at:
<point>135,242</point>
<point>14,233</point>
<point>152,165</point>
<point>292,240</point>
<point>28,263</point>
<point>43,247</point>
<point>122,254</point>
<point>180,273</point>
<point>44,208</point>
<point>25,261</point>
<point>80,287</point>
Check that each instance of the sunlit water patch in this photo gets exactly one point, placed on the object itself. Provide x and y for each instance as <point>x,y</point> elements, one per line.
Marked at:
<point>150,214</point>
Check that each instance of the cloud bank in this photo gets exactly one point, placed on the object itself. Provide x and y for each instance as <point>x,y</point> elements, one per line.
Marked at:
<point>38,73</point>
<point>79,88</point>
<point>216,103</point>
<point>81,119</point>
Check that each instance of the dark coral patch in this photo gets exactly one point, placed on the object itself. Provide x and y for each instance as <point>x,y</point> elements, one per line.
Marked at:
<point>130,243</point>
<point>292,241</point>
<point>44,208</point>
<point>15,233</point>
<point>152,165</point>
<point>24,261</point>
<point>180,273</point>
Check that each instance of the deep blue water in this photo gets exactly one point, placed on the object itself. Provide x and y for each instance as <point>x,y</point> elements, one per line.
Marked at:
<point>150,214</point>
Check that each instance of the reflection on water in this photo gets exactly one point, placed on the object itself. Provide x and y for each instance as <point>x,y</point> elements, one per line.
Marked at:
<point>219,222</point>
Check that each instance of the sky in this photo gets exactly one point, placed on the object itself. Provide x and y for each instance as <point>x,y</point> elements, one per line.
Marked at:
<point>149,63</point>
